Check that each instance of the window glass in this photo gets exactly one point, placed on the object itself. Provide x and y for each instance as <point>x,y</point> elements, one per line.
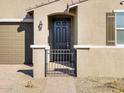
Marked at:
<point>120,36</point>
<point>120,20</point>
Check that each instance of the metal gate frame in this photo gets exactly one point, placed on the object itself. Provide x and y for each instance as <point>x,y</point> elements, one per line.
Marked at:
<point>60,62</point>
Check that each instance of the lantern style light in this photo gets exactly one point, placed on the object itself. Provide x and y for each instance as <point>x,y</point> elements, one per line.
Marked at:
<point>40,26</point>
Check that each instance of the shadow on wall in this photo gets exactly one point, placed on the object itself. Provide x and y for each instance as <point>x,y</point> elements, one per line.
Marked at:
<point>28,30</point>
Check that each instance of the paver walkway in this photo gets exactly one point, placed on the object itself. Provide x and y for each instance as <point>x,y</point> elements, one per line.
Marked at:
<point>60,85</point>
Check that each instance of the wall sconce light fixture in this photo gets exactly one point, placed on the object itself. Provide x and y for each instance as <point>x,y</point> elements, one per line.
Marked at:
<point>40,26</point>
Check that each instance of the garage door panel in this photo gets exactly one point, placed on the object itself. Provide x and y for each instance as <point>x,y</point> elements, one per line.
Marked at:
<point>13,43</point>
<point>12,51</point>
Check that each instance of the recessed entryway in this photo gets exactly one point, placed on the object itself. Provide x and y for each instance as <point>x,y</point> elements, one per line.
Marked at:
<point>62,58</point>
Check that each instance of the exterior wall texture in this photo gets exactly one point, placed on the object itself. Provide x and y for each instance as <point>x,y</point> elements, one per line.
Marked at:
<point>90,24</point>
<point>100,62</point>
<point>91,30</point>
<point>39,63</point>
<point>92,20</point>
<point>41,37</point>
<point>16,8</point>
<point>41,14</point>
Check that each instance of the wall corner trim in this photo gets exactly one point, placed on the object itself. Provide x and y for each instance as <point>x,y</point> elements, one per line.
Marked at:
<point>16,20</point>
<point>96,46</point>
<point>40,47</point>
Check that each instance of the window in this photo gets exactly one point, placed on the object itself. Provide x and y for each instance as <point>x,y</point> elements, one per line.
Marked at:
<point>119,25</point>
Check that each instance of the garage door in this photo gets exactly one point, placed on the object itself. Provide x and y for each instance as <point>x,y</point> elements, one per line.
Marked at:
<point>15,40</point>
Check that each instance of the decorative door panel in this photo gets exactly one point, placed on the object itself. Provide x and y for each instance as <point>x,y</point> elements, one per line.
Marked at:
<point>61,34</point>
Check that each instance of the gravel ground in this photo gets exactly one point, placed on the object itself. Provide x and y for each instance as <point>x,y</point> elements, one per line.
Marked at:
<point>99,85</point>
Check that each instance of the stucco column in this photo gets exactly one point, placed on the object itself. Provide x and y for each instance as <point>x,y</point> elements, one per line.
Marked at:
<point>82,61</point>
<point>39,59</point>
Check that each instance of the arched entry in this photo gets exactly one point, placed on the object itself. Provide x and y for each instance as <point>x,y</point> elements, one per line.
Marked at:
<point>61,40</point>
<point>61,31</point>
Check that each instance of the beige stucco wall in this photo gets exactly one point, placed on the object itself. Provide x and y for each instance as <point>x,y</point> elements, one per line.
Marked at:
<point>91,30</point>
<point>16,8</point>
<point>41,36</point>
<point>103,62</point>
<point>41,14</point>
<point>39,63</point>
<point>92,20</point>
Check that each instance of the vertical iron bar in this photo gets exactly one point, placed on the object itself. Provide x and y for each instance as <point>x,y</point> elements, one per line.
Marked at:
<point>63,70</point>
<point>57,63</point>
<point>54,64</point>
<point>53,54</point>
<point>68,61</point>
<point>45,63</point>
<point>72,63</point>
<point>63,59</point>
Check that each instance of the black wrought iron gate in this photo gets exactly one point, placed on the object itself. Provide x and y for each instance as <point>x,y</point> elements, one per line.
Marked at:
<point>61,58</point>
<point>61,62</point>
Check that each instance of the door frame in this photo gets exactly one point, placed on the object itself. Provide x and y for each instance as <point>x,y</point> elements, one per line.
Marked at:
<point>50,39</point>
<point>50,27</point>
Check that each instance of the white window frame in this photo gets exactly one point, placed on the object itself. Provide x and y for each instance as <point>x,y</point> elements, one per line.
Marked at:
<point>116,28</point>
